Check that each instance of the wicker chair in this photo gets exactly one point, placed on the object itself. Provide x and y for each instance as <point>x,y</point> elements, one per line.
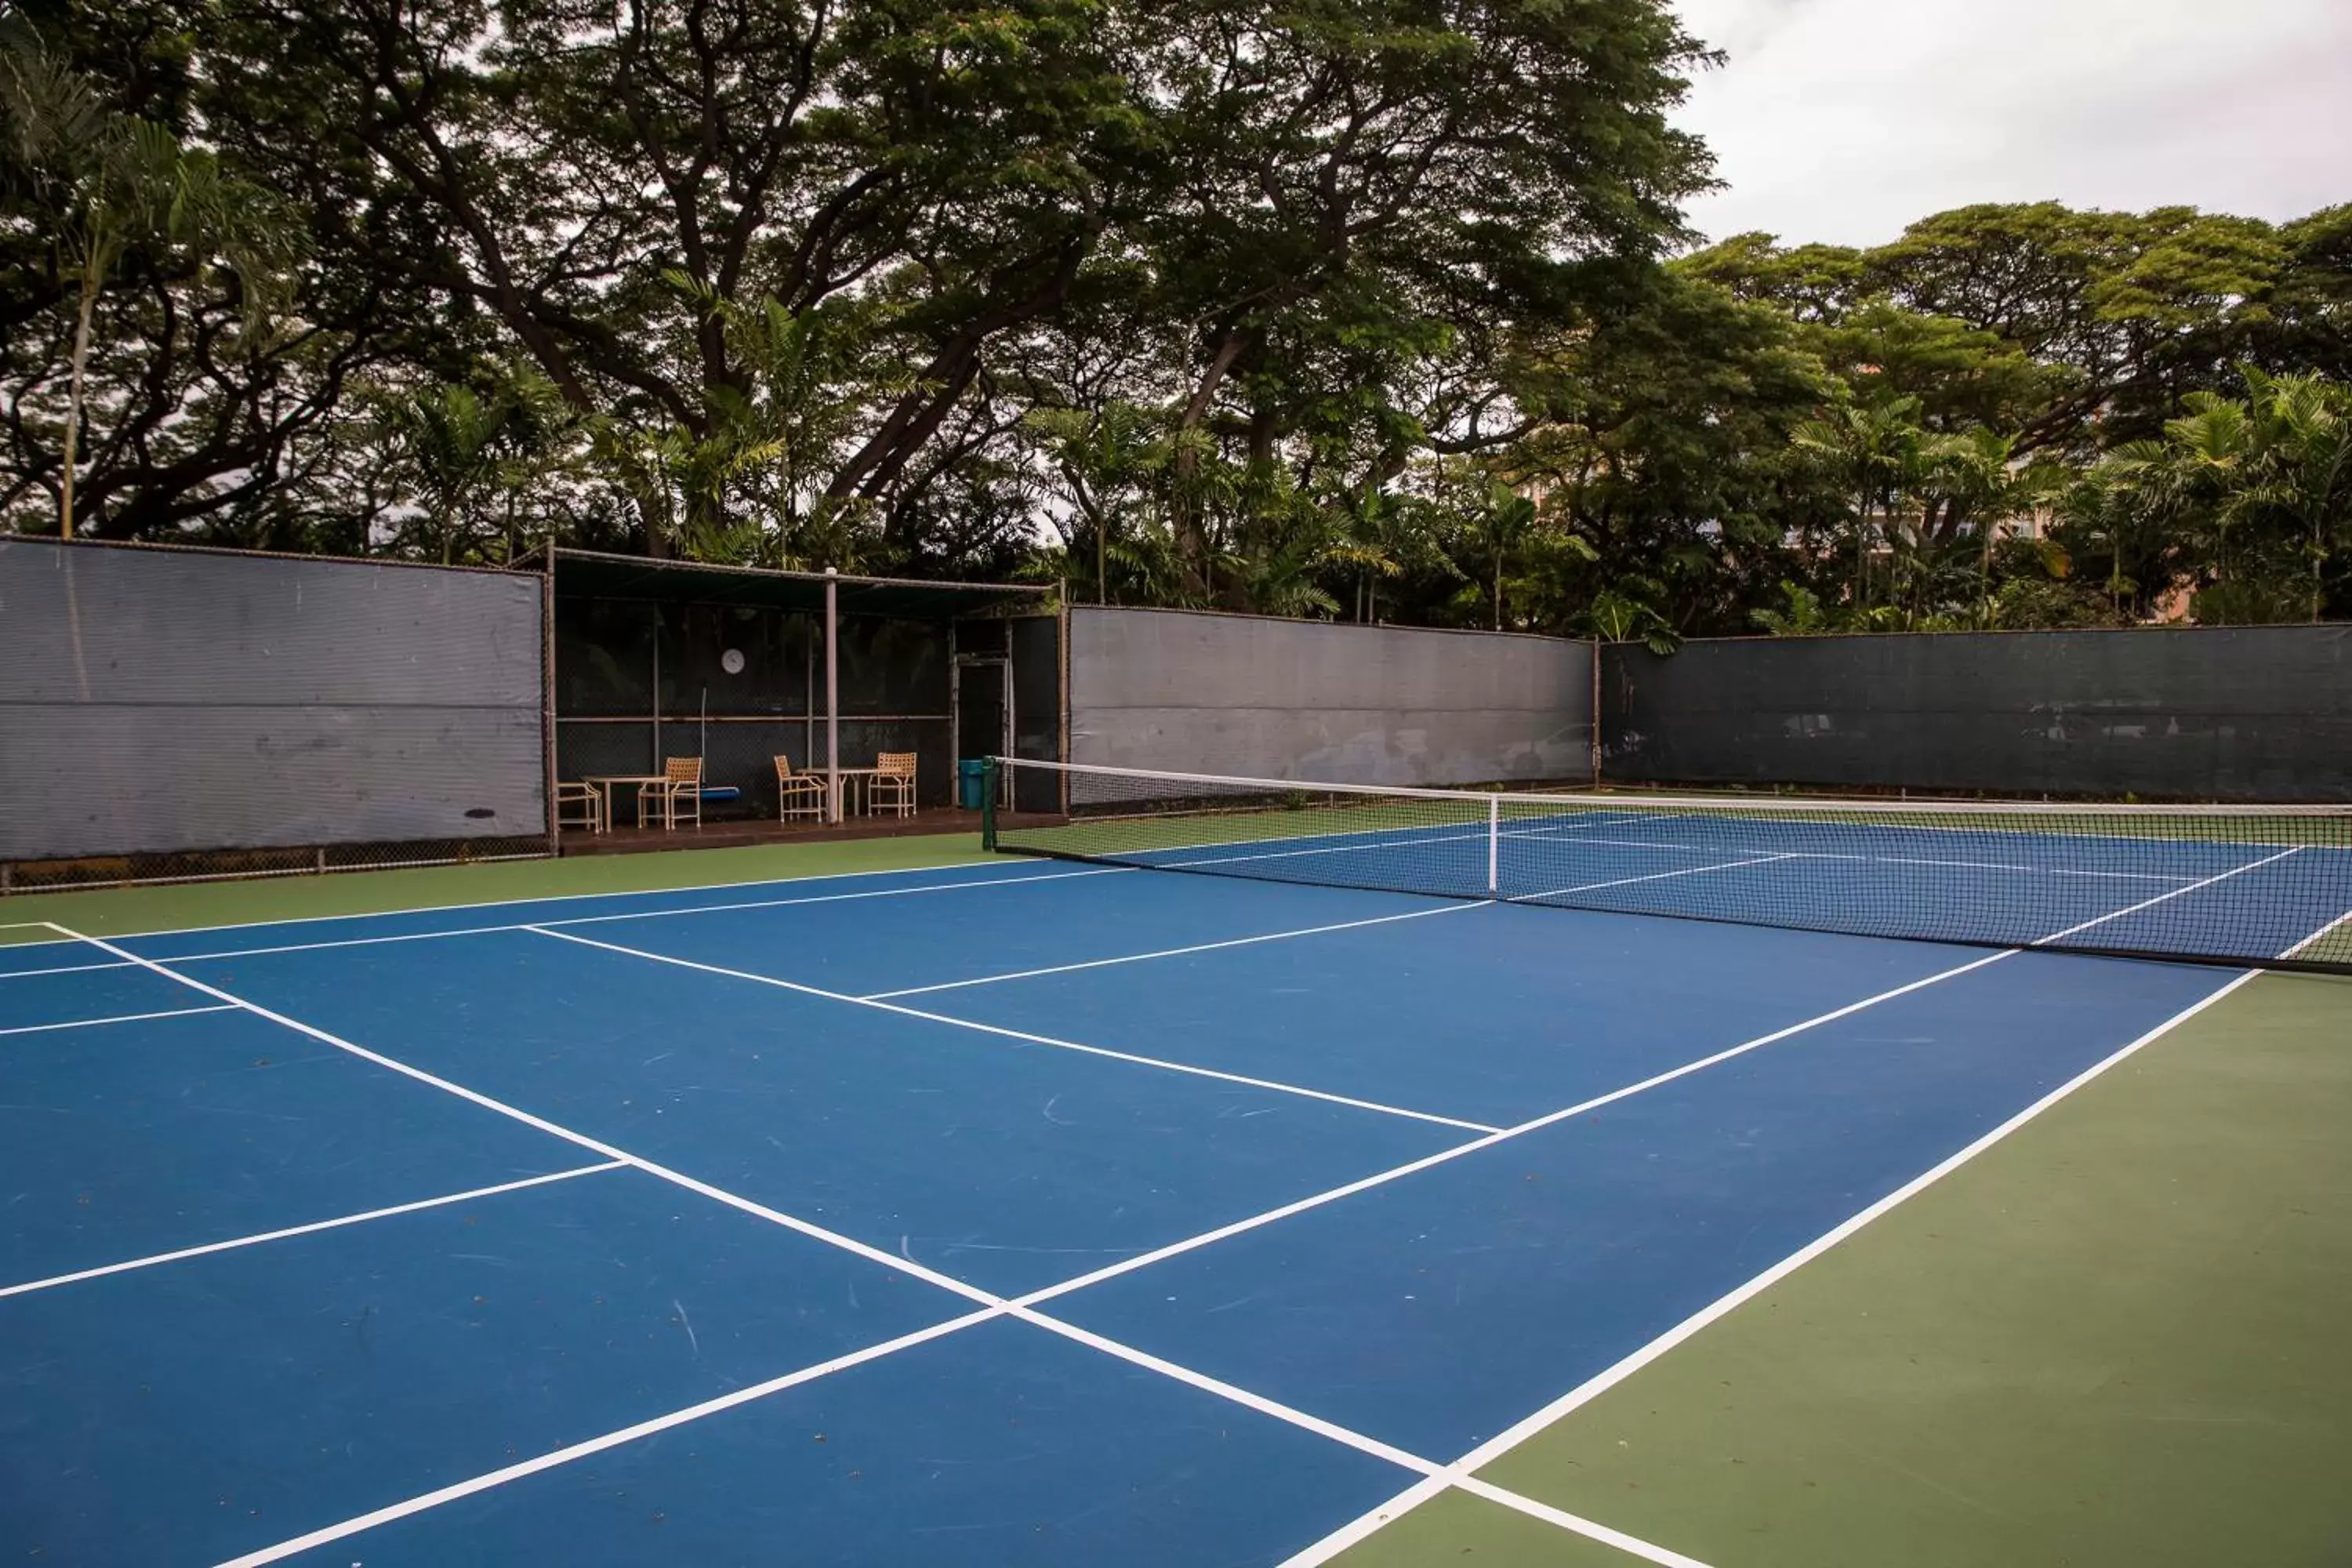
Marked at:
<point>681,786</point>
<point>893,786</point>
<point>798,795</point>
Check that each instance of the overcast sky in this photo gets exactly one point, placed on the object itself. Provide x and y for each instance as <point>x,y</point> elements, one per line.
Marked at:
<point>1842,121</point>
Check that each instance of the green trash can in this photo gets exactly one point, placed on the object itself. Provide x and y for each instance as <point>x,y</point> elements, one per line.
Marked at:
<point>971,780</point>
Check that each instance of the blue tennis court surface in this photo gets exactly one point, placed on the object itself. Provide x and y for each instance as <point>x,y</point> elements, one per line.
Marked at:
<point>1016,1212</point>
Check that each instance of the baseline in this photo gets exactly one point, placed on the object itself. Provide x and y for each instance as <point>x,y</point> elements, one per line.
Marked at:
<point>978,859</point>
<point>575,920</point>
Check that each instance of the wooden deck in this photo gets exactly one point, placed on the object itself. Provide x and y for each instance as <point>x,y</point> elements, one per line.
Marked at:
<point>743,833</point>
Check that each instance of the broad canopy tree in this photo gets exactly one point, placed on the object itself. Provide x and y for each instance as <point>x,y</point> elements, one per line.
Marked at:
<point>1367,309</point>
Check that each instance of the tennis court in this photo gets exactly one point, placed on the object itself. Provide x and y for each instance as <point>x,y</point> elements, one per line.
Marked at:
<point>1030,1210</point>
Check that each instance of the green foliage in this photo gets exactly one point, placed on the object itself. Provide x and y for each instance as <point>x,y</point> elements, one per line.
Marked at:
<point>110,192</point>
<point>2257,492</point>
<point>1354,311</point>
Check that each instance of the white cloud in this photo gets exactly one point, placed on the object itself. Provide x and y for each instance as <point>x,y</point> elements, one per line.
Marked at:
<point>1842,121</point>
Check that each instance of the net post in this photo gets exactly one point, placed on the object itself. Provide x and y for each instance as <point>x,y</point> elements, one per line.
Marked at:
<point>1494,845</point>
<point>988,775</point>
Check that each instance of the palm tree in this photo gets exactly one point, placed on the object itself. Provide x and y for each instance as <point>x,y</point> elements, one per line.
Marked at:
<point>460,446</point>
<point>2302,475</point>
<point>1873,452</point>
<point>1977,477</point>
<point>2270,476</point>
<point>1370,541</point>
<point>1107,459</point>
<point>115,184</point>
<point>1503,524</point>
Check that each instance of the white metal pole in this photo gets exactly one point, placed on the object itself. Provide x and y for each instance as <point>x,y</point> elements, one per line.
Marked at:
<point>832,692</point>
<point>1494,845</point>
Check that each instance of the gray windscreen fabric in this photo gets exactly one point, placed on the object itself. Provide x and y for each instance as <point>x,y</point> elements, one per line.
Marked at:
<point>1036,643</point>
<point>2218,714</point>
<point>161,701</point>
<point>1185,692</point>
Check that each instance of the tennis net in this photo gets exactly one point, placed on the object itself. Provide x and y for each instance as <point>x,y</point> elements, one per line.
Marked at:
<point>2248,886</point>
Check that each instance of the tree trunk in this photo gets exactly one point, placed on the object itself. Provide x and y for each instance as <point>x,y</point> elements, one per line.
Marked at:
<point>1192,535</point>
<point>1862,554</point>
<point>89,310</point>
<point>2318,565</point>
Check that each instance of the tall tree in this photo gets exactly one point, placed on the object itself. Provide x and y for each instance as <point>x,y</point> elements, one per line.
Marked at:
<point>114,189</point>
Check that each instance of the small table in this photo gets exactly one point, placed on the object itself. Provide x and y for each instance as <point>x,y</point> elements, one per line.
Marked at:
<point>846,790</point>
<point>608,782</point>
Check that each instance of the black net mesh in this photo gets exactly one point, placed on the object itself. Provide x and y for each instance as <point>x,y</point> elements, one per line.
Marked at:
<point>2242,885</point>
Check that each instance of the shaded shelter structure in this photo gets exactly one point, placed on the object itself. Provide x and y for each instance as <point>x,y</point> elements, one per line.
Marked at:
<point>655,660</point>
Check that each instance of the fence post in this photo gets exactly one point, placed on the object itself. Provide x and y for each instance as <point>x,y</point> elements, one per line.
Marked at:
<point>1596,713</point>
<point>832,697</point>
<point>547,731</point>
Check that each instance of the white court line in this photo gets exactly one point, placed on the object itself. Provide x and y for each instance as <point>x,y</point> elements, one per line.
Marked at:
<point>979,858</point>
<point>1479,832</point>
<point>62,968</point>
<point>1359,1441</point>
<point>1025,1307</point>
<point>581,920</point>
<point>1577,837</point>
<point>554,1129</point>
<point>1633,1545</point>
<point>2165,897</point>
<point>996,1305</point>
<point>118,1018</point>
<point>425,1502</point>
<point>1373,848</point>
<point>1022,1034</point>
<point>1174,952</point>
<point>1463,1470</point>
<point>1375,843</point>
<point>1691,849</point>
<point>234,1242</point>
<point>1427,1162</point>
<point>2322,935</point>
<point>2000,866</point>
<point>1653,877</point>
